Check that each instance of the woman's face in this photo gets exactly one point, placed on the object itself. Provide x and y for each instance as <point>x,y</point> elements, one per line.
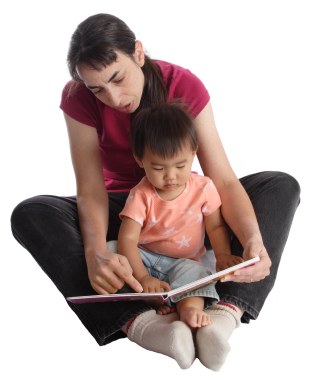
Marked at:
<point>119,85</point>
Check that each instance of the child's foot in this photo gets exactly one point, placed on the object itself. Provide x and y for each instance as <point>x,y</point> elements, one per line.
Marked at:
<point>194,317</point>
<point>165,309</point>
<point>212,341</point>
<point>164,334</point>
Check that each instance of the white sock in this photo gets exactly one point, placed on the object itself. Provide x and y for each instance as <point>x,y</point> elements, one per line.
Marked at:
<point>212,340</point>
<point>164,334</point>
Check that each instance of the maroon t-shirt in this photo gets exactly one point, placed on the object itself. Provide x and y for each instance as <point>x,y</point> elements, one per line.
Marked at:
<point>120,170</point>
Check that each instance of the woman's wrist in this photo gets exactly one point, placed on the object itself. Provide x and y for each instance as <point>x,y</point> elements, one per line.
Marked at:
<point>92,253</point>
<point>252,238</point>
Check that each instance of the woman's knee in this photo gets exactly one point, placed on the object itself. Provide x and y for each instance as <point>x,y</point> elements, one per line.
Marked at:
<point>272,184</point>
<point>287,186</point>
<point>42,213</point>
<point>21,211</point>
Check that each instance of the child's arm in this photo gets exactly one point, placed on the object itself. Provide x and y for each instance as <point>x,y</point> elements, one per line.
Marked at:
<point>127,246</point>
<point>219,238</point>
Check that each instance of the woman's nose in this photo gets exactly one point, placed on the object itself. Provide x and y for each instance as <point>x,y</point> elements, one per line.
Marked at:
<point>114,97</point>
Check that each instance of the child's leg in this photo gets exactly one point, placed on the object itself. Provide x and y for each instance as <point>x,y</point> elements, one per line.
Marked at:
<point>191,312</point>
<point>164,334</point>
<point>212,340</point>
<point>184,271</point>
<point>165,309</point>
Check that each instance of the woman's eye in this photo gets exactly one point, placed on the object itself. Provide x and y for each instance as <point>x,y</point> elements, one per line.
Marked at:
<point>117,81</point>
<point>95,92</point>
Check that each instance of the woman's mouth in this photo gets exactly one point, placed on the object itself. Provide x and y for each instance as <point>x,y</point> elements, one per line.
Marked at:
<point>128,108</point>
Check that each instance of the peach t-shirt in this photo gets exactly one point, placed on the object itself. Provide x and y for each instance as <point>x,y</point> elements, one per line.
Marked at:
<point>173,228</point>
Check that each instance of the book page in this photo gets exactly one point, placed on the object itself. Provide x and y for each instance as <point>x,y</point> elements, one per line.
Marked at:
<point>162,297</point>
<point>211,278</point>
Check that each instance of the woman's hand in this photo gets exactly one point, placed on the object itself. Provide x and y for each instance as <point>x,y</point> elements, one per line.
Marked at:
<point>108,272</point>
<point>153,285</point>
<point>257,271</point>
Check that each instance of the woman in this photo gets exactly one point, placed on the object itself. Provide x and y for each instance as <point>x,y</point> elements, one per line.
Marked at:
<point>112,80</point>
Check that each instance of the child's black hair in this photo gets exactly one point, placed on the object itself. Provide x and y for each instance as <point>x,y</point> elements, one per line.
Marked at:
<point>164,129</point>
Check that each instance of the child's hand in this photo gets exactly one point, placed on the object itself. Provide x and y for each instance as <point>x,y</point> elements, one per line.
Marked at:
<point>151,284</point>
<point>226,261</point>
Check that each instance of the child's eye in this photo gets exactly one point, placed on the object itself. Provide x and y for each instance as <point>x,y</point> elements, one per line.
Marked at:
<point>180,167</point>
<point>157,168</point>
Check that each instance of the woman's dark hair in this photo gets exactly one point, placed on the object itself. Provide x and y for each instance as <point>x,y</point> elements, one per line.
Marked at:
<point>96,41</point>
<point>164,129</point>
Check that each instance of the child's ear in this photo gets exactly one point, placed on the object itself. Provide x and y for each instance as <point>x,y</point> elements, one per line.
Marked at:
<point>140,164</point>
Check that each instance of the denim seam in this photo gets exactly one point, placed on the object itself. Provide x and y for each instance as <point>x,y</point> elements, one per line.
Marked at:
<point>198,293</point>
<point>251,311</point>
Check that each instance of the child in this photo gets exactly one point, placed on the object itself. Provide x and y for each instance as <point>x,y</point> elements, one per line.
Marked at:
<point>166,214</point>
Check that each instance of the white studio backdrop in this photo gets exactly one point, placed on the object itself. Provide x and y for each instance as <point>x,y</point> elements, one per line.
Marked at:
<point>257,59</point>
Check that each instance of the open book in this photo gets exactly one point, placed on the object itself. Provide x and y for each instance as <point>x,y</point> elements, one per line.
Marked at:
<point>162,297</point>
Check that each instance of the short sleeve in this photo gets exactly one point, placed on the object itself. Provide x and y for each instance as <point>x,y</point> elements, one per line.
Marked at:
<point>182,85</point>
<point>135,207</point>
<point>212,198</point>
<point>80,104</point>
<point>194,93</point>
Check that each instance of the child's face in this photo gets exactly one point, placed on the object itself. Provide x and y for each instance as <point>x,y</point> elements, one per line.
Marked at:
<point>168,175</point>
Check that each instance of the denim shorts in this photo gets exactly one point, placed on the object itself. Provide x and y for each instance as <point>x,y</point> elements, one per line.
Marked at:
<point>178,272</point>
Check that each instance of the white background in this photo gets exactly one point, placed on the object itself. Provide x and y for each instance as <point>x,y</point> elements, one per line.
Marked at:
<point>257,58</point>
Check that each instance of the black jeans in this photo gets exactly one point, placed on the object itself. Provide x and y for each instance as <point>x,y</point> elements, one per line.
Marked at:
<point>47,226</point>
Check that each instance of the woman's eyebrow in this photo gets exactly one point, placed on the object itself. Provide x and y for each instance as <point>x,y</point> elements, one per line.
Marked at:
<point>91,87</point>
<point>113,76</point>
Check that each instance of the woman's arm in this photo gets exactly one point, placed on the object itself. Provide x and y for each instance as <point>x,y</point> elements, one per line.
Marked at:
<point>107,271</point>
<point>236,207</point>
